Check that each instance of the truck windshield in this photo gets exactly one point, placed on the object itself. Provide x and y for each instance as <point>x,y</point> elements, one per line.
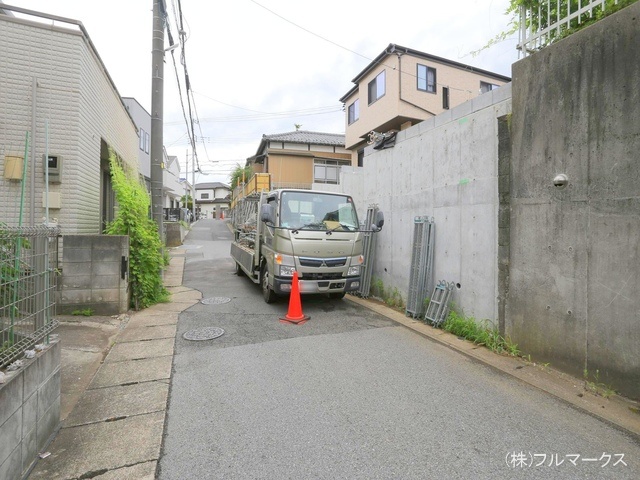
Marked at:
<point>317,211</point>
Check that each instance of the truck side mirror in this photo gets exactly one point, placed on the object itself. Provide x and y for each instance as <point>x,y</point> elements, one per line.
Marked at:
<point>376,227</point>
<point>267,214</point>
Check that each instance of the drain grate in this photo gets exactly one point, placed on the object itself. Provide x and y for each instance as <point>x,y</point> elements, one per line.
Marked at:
<point>215,300</point>
<point>207,333</point>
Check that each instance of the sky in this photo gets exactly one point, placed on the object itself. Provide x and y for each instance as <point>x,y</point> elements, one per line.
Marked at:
<point>264,66</point>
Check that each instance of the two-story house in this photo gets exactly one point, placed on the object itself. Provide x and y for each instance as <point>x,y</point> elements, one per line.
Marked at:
<point>301,158</point>
<point>142,119</point>
<point>54,86</point>
<point>212,199</point>
<point>402,87</point>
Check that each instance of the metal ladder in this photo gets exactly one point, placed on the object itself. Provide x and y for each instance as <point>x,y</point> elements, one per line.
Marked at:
<point>368,251</point>
<point>439,304</point>
<point>421,273</point>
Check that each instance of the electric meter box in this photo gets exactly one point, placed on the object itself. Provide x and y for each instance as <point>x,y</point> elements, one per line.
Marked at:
<point>54,164</point>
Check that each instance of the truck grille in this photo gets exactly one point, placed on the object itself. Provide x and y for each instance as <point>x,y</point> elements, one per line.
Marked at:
<point>323,262</point>
<point>321,276</point>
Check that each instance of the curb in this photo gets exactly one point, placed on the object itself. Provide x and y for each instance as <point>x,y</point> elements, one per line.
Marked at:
<point>617,411</point>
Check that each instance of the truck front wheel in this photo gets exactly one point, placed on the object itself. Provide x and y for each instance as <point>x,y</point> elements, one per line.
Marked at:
<point>268,294</point>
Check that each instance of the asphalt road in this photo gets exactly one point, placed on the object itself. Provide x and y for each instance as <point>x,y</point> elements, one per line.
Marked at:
<point>352,395</point>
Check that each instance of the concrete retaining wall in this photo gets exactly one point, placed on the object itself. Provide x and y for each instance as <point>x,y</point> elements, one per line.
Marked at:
<point>574,299</point>
<point>445,168</point>
<point>29,412</point>
<point>94,274</point>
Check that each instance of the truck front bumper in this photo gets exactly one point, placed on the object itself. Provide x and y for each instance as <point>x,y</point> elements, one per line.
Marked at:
<point>282,285</point>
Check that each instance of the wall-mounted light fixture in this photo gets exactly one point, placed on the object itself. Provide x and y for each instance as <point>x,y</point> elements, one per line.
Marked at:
<point>560,181</point>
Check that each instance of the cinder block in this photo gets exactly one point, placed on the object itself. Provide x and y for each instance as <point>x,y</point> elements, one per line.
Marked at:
<point>11,396</point>
<point>105,281</point>
<point>48,424</point>
<point>12,467</point>
<point>11,434</point>
<point>30,413</point>
<point>48,392</point>
<point>76,255</point>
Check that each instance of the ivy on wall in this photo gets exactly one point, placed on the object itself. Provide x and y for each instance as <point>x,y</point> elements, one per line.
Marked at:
<point>146,259</point>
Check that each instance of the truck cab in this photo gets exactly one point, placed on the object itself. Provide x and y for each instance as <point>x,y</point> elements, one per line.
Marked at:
<point>314,233</point>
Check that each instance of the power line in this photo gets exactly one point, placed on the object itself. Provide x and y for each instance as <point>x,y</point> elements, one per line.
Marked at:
<point>345,48</point>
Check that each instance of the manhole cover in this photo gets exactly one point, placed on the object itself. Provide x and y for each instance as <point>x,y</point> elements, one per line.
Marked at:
<point>215,300</point>
<point>207,333</point>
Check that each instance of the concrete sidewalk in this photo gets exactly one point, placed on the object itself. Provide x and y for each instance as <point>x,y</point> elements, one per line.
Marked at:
<point>114,400</point>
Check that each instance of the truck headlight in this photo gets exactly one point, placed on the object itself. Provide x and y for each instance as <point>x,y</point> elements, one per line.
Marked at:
<point>287,270</point>
<point>353,271</point>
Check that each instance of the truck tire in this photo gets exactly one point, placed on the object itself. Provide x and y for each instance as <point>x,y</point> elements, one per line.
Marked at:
<point>239,271</point>
<point>337,296</point>
<point>267,293</point>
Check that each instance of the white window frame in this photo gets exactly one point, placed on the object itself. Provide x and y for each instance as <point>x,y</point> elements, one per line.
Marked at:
<point>328,170</point>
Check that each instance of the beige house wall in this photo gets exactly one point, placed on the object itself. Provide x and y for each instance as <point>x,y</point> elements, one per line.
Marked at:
<point>402,97</point>
<point>55,71</point>
<point>296,169</point>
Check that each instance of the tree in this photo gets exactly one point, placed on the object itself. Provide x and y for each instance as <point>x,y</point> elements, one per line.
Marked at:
<point>240,174</point>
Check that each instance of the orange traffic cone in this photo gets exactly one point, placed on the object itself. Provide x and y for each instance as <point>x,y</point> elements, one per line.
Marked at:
<point>294,315</point>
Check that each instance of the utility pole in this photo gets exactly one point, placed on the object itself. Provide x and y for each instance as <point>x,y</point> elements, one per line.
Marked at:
<point>193,185</point>
<point>157,101</point>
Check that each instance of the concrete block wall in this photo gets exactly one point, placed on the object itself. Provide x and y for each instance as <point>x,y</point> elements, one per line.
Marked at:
<point>29,412</point>
<point>92,274</point>
<point>446,168</point>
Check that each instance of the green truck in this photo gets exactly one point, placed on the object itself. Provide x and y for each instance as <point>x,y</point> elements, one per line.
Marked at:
<point>315,233</point>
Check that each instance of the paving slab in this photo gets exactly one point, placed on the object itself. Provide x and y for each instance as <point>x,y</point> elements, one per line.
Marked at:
<point>153,319</point>
<point>121,352</point>
<point>89,450</point>
<point>191,296</point>
<point>122,401</point>
<point>133,334</point>
<point>134,371</point>
<point>142,471</point>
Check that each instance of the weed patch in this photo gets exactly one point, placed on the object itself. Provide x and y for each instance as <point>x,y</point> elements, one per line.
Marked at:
<point>480,333</point>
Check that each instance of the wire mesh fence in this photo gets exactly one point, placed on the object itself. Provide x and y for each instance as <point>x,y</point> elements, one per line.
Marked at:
<point>28,261</point>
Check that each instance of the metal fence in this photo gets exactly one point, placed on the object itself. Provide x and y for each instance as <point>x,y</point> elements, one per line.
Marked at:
<point>28,261</point>
<point>544,21</point>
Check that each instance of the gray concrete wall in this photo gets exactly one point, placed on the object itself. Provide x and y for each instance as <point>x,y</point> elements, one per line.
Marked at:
<point>92,276</point>
<point>29,412</point>
<point>446,168</point>
<point>574,299</point>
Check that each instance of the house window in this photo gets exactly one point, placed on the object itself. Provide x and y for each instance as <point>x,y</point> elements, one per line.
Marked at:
<point>377,87</point>
<point>147,142</point>
<point>354,111</point>
<point>204,196</point>
<point>142,139</point>
<point>445,98</point>
<point>426,79</point>
<point>327,171</point>
<point>487,87</point>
